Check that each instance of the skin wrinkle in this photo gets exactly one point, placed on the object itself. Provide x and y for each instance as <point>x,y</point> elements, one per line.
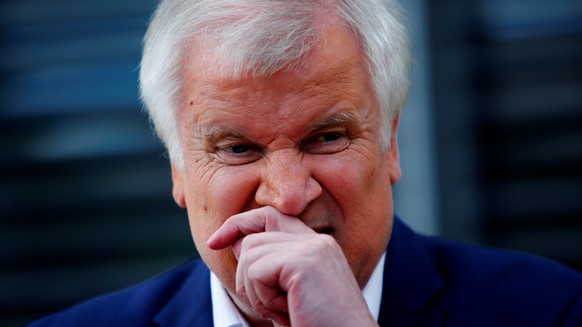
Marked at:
<point>231,91</point>
<point>268,189</point>
<point>217,133</point>
<point>344,119</point>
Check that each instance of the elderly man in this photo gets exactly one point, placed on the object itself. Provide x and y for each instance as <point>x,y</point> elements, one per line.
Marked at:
<point>280,118</point>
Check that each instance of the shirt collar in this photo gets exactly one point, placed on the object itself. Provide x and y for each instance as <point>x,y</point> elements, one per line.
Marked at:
<point>373,290</point>
<point>225,314</point>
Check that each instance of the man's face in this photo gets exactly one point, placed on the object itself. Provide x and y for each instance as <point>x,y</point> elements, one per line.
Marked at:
<point>306,142</point>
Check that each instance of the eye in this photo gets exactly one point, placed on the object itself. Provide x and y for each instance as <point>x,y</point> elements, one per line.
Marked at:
<point>240,148</point>
<point>329,137</point>
<point>326,142</point>
<point>238,153</point>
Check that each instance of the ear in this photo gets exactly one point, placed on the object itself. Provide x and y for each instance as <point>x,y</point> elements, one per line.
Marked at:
<point>392,154</point>
<point>178,186</point>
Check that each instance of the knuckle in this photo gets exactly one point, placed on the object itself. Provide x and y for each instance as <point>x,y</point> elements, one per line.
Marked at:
<point>325,241</point>
<point>252,273</point>
<point>324,246</point>
<point>248,241</point>
<point>271,219</point>
<point>244,243</point>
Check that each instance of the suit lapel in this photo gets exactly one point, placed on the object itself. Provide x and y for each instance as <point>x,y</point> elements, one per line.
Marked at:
<point>411,282</point>
<point>192,304</point>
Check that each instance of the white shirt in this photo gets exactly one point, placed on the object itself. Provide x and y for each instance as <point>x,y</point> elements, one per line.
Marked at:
<point>225,313</point>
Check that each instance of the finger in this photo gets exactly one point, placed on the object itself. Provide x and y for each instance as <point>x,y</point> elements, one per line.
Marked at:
<point>264,257</point>
<point>266,297</point>
<point>254,240</point>
<point>254,221</point>
<point>253,248</point>
<point>272,239</point>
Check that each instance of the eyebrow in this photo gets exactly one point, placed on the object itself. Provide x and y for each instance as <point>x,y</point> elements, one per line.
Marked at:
<point>217,133</point>
<point>343,119</point>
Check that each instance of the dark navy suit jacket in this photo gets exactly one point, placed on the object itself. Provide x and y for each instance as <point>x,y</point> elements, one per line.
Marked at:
<point>427,282</point>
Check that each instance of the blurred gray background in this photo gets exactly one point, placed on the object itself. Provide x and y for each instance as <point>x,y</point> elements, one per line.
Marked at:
<point>491,142</point>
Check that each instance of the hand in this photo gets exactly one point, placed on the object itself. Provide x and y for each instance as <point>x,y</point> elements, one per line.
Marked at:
<point>291,274</point>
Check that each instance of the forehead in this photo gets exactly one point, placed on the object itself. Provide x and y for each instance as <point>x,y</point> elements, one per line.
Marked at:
<point>333,72</point>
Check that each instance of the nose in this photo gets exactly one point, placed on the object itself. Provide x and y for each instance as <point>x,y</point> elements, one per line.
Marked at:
<point>287,183</point>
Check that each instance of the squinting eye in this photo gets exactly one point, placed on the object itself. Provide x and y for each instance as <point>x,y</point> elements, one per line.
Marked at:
<point>328,137</point>
<point>326,143</point>
<point>239,148</point>
<point>238,153</point>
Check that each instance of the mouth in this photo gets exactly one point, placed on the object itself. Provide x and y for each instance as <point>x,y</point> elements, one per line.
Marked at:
<point>324,230</point>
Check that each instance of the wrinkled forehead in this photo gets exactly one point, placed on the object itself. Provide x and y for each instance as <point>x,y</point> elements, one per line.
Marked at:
<point>332,80</point>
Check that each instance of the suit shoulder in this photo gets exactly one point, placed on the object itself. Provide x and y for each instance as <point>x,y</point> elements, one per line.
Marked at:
<point>511,285</point>
<point>477,263</point>
<point>134,306</point>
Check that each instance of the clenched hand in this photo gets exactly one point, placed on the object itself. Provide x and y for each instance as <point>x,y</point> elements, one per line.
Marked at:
<point>289,273</point>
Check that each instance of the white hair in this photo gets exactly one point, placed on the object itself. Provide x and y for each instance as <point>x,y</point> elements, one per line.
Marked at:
<point>261,37</point>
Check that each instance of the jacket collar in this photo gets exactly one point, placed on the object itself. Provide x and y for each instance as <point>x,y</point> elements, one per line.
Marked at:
<point>411,281</point>
<point>192,304</point>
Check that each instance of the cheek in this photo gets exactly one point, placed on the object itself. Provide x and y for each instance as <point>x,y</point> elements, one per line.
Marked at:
<point>362,189</point>
<point>214,194</point>
<point>353,180</point>
<point>231,189</point>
